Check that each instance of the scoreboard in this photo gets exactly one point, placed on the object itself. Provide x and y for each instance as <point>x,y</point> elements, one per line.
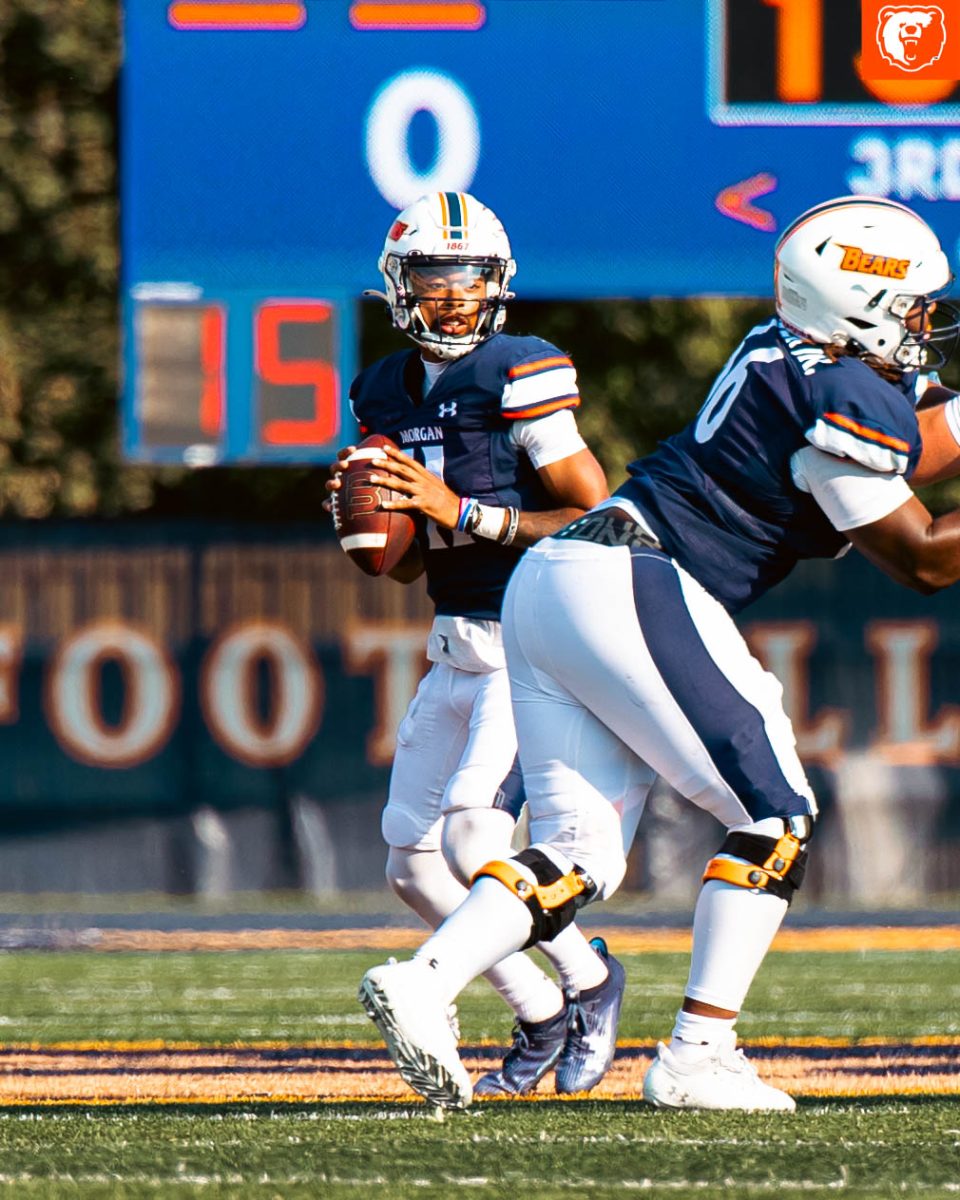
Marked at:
<point>632,148</point>
<point>797,62</point>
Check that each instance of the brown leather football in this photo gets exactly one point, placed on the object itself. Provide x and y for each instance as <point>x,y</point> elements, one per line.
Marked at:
<point>376,539</point>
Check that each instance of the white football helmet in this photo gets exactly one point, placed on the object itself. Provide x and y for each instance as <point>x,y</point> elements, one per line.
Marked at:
<point>449,249</point>
<point>849,271</point>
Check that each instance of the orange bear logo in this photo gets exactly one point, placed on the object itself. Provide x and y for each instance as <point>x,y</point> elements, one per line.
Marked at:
<point>911,38</point>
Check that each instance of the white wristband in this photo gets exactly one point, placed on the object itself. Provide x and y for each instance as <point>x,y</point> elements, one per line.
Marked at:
<point>951,410</point>
<point>490,522</point>
<point>511,531</point>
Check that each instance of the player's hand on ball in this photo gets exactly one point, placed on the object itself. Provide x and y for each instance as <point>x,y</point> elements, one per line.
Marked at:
<point>334,483</point>
<point>419,488</point>
<point>376,538</point>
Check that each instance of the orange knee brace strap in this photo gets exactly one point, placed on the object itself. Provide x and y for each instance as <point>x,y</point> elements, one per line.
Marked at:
<point>552,901</point>
<point>773,866</point>
<point>547,895</point>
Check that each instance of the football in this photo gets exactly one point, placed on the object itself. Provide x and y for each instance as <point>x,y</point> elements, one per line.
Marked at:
<point>375,539</point>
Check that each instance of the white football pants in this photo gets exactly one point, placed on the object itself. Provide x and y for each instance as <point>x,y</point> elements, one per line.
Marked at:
<point>623,667</point>
<point>456,749</point>
<point>456,789</point>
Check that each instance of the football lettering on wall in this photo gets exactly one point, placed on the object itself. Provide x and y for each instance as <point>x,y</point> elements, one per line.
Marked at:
<point>394,654</point>
<point>906,734</point>
<point>228,694</point>
<point>278,730</point>
<point>151,687</point>
<point>11,656</point>
<point>785,648</point>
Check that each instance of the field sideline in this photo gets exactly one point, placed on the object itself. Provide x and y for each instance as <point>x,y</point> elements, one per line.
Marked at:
<point>177,1063</point>
<point>118,1074</point>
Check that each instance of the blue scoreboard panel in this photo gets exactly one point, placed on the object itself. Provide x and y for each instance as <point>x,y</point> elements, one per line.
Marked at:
<point>631,147</point>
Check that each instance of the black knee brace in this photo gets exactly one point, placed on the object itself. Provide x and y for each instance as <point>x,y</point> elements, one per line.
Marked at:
<point>553,900</point>
<point>775,865</point>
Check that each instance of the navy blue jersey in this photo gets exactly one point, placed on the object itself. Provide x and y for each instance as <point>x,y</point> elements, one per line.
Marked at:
<point>461,432</point>
<point>720,494</point>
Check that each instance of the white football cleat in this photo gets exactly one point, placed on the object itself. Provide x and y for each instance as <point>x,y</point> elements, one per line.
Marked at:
<point>723,1079</point>
<point>401,999</point>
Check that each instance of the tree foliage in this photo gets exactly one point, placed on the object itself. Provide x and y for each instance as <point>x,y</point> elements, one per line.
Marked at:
<point>58,258</point>
<point>644,367</point>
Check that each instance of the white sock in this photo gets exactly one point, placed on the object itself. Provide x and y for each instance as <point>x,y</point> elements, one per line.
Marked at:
<point>577,963</point>
<point>423,881</point>
<point>732,932</point>
<point>531,994</point>
<point>490,924</point>
<point>695,1037</point>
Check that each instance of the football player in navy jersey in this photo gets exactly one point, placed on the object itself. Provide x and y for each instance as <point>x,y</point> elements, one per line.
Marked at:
<point>624,659</point>
<point>490,460</point>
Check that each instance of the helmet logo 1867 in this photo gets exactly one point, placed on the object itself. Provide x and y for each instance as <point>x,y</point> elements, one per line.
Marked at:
<point>446,267</point>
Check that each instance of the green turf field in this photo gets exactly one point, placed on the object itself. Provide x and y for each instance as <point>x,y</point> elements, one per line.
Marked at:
<point>534,1151</point>
<point>296,995</point>
<point>898,1146</point>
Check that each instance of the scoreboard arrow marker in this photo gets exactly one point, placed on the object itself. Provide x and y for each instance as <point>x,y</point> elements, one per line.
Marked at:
<point>734,201</point>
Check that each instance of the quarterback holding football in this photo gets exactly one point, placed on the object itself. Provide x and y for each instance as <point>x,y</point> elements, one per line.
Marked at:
<point>624,658</point>
<point>478,442</point>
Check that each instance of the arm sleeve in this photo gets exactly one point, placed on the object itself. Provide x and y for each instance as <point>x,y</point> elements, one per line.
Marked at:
<point>859,416</point>
<point>548,439</point>
<point>543,380</point>
<point>849,494</point>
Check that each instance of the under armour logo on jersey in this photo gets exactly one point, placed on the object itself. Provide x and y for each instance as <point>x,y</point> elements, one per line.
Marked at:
<point>448,410</point>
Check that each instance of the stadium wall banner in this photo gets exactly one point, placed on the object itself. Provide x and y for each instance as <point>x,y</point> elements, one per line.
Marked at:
<point>149,667</point>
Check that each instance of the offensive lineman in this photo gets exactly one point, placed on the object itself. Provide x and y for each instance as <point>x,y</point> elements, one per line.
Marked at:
<point>623,655</point>
<point>492,460</point>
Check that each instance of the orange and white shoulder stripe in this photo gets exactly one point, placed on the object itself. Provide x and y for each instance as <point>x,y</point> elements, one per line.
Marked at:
<point>839,434</point>
<point>541,386</point>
